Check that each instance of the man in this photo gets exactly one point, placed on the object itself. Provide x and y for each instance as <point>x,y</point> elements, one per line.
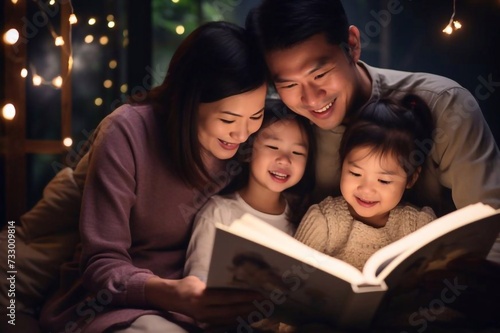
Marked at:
<point>314,60</point>
<point>313,56</point>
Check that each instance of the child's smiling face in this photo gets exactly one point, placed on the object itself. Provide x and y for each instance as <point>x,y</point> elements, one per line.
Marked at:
<point>279,156</point>
<point>372,184</point>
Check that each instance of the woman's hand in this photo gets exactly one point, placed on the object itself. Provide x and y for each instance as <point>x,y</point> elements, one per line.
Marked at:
<point>189,296</point>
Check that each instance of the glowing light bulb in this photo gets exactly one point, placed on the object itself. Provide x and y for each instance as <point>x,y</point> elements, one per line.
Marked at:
<point>175,1</point>
<point>57,82</point>
<point>11,36</point>
<point>457,25</point>
<point>92,21</point>
<point>124,88</point>
<point>37,80</point>
<point>111,24</point>
<point>68,142</point>
<point>24,72</point>
<point>73,19</point>
<point>180,29</point>
<point>59,41</point>
<point>103,40</point>
<point>89,39</point>
<point>98,101</point>
<point>113,64</point>
<point>9,111</point>
<point>448,30</point>
<point>108,84</point>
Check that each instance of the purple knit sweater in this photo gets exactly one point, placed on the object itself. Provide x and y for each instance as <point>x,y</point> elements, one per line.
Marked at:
<point>135,223</point>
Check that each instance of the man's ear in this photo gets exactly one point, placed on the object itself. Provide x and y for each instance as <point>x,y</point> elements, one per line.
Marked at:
<point>354,42</point>
<point>414,177</point>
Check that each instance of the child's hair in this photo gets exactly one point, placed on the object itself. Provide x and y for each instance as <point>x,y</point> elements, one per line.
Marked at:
<point>399,128</point>
<point>297,196</point>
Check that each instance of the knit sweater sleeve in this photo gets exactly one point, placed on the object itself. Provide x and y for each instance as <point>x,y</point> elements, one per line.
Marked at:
<point>408,219</point>
<point>313,229</point>
<point>108,198</point>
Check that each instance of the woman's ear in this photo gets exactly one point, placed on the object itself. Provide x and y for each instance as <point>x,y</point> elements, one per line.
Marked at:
<point>413,177</point>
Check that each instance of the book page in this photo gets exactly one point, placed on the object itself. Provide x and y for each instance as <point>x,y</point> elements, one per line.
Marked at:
<point>293,277</point>
<point>260,232</point>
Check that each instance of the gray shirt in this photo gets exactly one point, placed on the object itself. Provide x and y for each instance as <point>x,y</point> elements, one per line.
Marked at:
<point>464,163</point>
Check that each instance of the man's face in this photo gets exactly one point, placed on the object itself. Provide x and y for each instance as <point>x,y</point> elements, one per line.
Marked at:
<point>316,80</point>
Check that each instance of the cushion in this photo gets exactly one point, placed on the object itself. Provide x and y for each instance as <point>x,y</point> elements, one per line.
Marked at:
<point>45,238</point>
<point>58,210</point>
<point>37,264</point>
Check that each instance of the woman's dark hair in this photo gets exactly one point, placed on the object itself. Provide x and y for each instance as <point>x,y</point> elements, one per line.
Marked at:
<point>215,61</point>
<point>400,128</point>
<point>297,196</point>
<point>280,24</point>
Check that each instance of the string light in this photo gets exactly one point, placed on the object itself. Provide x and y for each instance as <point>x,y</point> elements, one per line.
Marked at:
<point>57,82</point>
<point>73,19</point>
<point>68,142</point>
<point>9,111</point>
<point>453,24</point>
<point>89,39</point>
<point>37,80</point>
<point>59,41</point>
<point>180,29</point>
<point>92,21</point>
<point>103,40</point>
<point>107,84</point>
<point>11,36</point>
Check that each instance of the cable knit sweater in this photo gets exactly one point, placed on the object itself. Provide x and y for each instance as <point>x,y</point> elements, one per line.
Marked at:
<point>329,228</point>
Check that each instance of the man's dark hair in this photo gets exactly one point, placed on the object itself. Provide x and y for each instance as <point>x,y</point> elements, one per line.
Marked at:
<point>280,24</point>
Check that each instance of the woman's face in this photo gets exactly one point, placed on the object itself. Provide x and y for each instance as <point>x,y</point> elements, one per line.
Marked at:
<point>224,124</point>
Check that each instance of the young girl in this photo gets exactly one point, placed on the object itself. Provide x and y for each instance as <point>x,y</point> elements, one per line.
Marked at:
<point>276,176</point>
<point>382,154</point>
<point>151,167</point>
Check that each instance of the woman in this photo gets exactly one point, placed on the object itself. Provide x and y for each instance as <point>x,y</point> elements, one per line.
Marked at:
<point>151,166</point>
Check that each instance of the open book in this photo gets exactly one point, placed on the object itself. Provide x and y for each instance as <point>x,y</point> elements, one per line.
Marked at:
<point>302,284</point>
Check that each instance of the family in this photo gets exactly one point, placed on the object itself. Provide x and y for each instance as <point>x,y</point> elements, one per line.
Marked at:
<point>348,155</point>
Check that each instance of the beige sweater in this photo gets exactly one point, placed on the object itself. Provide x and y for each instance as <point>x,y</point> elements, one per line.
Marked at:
<point>329,228</point>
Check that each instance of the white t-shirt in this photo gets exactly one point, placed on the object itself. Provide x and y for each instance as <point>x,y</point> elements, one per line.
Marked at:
<point>223,209</point>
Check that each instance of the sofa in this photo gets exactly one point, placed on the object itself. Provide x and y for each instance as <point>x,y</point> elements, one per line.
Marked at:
<point>39,242</point>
